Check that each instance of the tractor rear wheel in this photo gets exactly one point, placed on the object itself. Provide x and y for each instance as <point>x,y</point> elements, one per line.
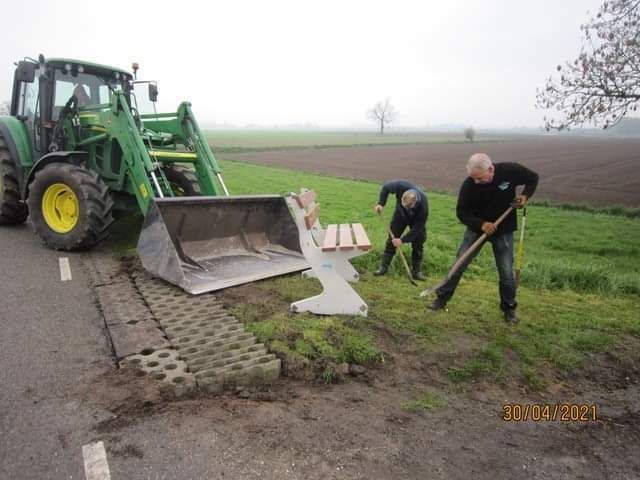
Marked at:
<point>70,207</point>
<point>12,210</point>
<point>183,181</point>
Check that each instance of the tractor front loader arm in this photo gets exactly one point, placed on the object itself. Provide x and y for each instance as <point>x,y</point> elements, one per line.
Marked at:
<point>206,166</point>
<point>146,178</point>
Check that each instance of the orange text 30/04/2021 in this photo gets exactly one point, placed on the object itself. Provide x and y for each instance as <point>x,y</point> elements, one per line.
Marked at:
<point>549,412</point>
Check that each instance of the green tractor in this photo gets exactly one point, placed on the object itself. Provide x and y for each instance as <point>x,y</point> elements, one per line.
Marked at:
<point>76,146</point>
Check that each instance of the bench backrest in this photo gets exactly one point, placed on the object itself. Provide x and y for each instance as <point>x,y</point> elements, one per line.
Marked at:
<point>307,202</point>
<point>335,237</point>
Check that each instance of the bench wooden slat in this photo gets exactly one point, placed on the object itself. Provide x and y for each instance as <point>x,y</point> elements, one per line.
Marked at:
<point>330,238</point>
<point>312,216</point>
<point>362,239</point>
<point>305,199</point>
<point>346,242</point>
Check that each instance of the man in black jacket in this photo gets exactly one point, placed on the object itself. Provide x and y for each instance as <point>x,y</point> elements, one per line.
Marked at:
<point>411,211</point>
<point>484,195</point>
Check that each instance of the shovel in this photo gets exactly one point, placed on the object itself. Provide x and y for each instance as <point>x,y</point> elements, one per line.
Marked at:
<point>401,253</point>
<point>465,256</point>
<point>520,254</point>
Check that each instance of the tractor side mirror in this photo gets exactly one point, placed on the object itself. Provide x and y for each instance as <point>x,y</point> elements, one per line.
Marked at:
<point>26,72</point>
<point>153,92</point>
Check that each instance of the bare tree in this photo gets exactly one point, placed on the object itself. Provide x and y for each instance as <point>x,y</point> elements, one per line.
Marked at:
<point>603,84</point>
<point>469,134</point>
<point>383,113</point>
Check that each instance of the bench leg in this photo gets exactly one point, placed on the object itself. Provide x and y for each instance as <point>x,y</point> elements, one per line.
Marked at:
<point>336,298</point>
<point>342,265</point>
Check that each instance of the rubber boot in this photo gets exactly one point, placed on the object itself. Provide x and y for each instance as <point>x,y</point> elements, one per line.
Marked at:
<point>384,265</point>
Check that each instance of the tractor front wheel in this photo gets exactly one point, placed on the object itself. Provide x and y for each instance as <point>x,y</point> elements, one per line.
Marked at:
<point>12,210</point>
<point>183,181</point>
<point>70,207</point>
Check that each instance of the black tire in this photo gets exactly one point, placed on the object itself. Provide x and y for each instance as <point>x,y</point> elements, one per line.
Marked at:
<point>12,210</point>
<point>183,181</point>
<point>95,206</point>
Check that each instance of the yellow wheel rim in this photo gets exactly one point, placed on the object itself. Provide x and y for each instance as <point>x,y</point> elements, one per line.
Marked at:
<point>60,208</point>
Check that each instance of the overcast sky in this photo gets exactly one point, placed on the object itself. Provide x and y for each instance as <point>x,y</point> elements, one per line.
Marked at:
<point>326,62</point>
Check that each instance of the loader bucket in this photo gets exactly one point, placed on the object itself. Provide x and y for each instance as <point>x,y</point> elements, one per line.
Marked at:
<point>203,244</point>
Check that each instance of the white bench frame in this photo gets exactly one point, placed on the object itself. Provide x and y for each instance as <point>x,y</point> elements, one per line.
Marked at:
<point>330,266</point>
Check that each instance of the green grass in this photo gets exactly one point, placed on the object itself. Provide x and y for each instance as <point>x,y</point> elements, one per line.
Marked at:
<point>232,141</point>
<point>616,210</point>
<point>564,249</point>
<point>580,291</point>
<point>579,294</point>
<point>429,400</point>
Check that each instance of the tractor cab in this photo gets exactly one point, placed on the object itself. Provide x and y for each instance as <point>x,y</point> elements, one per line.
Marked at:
<point>43,89</point>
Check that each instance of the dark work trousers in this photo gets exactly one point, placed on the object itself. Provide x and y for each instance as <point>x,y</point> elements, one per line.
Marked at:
<point>399,223</point>
<point>503,253</point>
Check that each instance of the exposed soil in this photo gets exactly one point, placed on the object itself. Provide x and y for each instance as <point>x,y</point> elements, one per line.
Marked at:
<point>596,171</point>
<point>358,429</point>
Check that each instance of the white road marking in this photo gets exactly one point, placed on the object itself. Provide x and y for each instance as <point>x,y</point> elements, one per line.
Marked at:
<point>65,269</point>
<point>95,462</point>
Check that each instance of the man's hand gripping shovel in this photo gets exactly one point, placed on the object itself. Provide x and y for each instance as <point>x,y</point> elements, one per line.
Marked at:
<point>399,250</point>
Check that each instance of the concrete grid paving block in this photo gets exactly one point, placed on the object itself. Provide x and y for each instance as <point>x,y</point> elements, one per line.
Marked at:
<point>139,310</point>
<point>122,304</point>
<point>131,339</point>
<point>212,342</point>
<point>215,380</point>
<point>165,366</point>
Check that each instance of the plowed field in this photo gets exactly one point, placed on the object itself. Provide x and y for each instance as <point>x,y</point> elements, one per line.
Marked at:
<point>594,171</point>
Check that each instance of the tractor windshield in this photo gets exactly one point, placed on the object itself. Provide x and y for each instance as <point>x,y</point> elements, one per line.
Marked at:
<point>89,89</point>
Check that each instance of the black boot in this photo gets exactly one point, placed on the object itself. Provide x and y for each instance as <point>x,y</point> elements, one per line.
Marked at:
<point>510,316</point>
<point>384,265</point>
<point>438,304</point>
<point>418,275</point>
<point>416,270</point>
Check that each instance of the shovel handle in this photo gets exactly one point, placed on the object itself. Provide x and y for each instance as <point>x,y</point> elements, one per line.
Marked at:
<point>404,260</point>
<point>520,254</point>
<point>401,253</point>
<point>463,258</point>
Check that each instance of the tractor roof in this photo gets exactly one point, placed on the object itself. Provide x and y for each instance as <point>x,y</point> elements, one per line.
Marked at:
<point>61,62</point>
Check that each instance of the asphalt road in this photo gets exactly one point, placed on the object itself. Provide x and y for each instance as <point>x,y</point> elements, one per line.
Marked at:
<point>52,340</point>
<point>54,348</point>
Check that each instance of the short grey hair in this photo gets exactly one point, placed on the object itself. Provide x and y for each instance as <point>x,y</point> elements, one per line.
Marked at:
<point>479,162</point>
<point>409,198</point>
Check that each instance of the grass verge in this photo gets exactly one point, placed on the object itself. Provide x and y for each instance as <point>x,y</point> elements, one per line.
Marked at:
<point>579,296</point>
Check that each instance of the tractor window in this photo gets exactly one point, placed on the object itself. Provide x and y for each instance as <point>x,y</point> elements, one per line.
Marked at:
<point>89,90</point>
<point>64,90</point>
<point>31,99</point>
<point>104,93</point>
<point>141,100</point>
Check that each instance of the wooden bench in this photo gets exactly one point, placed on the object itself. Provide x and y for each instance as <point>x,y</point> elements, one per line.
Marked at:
<point>328,252</point>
